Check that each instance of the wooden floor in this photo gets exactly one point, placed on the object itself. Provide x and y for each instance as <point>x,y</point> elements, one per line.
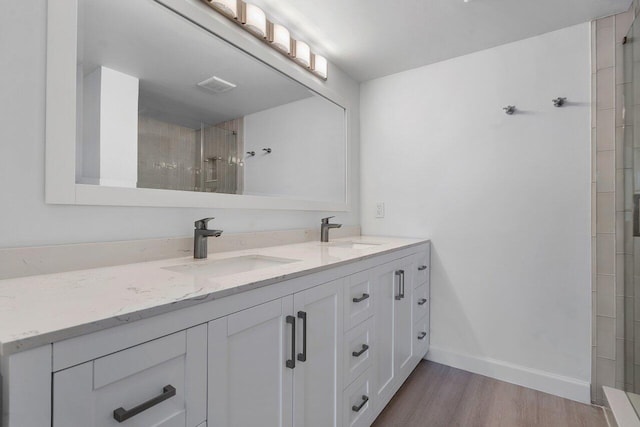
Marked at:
<point>437,395</point>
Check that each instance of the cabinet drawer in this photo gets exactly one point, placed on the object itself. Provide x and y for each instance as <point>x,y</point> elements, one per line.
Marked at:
<point>423,268</point>
<point>358,299</point>
<point>421,337</point>
<point>358,405</point>
<point>357,351</point>
<point>421,302</point>
<point>159,383</point>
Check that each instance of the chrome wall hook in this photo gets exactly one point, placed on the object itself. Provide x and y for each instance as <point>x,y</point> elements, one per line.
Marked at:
<point>251,153</point>
<point>509,109</point>
<point>267,150</point>
<point>559,102</point>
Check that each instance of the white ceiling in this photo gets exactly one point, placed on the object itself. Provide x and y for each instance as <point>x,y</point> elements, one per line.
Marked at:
<point>374,38</point>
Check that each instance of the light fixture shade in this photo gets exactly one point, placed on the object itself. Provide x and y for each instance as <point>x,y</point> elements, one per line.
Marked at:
<point>228,7</point>
<point>255,20</point>
<point>302,53</point>
<point>281,39</point>
<point>320,65</point>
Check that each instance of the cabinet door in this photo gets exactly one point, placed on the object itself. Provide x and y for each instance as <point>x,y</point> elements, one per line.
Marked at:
<point>159,383</point>
<point>249,382</point>
<point>318,371</point>
<point>393,338</point>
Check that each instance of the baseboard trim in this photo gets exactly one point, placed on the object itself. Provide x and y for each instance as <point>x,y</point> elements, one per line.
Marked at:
<point>547,382</point>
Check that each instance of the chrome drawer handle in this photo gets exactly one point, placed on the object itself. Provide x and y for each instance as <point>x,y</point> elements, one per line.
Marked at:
<point>422,335</point>
<point>362,298</point>
<point>421,301</point>
<point>122,414</point>
<point>356,408</point>
<point>422,267</point>
<point>358,353</point>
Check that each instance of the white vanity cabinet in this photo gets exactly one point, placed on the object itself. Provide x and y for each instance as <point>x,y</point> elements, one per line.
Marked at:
<point>159,383</point>
<point>260,375</point>
<point>393,287</point>
<point>328,348</point>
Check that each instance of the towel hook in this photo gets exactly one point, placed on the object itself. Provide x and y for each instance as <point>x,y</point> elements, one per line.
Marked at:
<point>509,109</point>
<point>559,102</point>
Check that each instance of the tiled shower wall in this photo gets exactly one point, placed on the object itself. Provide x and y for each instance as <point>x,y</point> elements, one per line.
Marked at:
<point>608,208</point>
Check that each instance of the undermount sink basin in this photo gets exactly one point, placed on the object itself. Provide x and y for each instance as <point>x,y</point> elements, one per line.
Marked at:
<point>226,267</point>
<point>354,245</point>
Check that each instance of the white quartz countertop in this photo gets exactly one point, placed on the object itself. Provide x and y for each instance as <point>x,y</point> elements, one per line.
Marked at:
<point>38,310</point>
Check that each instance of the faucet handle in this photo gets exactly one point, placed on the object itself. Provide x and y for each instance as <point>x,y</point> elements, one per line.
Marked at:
<point>201,224</point>
<point>326,220</point>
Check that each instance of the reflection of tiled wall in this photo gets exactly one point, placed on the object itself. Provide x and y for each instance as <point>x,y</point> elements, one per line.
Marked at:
<point>168,155</point>
<point>608,210</point>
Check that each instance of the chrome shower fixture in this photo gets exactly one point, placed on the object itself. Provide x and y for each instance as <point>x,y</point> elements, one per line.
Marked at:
<point>559,102</point>
<point>509,109</point>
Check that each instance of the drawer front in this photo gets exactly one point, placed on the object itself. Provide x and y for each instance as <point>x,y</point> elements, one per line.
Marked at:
<point>357,351</point>
<point>358,299</point>
<point>423,267</point>
<point>421,302</point>
<point>421,337</point>
<point>159,383</point>
<point>358,404</point>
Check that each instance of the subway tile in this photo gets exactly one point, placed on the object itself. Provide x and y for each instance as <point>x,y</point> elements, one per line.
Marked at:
<point>628,361</point>
<point>605,372</point>
<point>619,275</point>
<point>627,195</point>
<point>619,147</point>
<point>593,154</point>
<point>605,47</point>
<point>605,171</point>
<point>605,212</point>
<point>606,337</point>
<point>624,66</point>
<point>594,211</point>
<point>603,23</point>
<point>605,89</point>
<point>620,103</point>
<point>628,318</point>
<point>593,374</point>
<point>619,225</point>
<point>627,237</point>
<point>605,130</point>
<point>623,23</point>
<point>619,361</point>
<point>619,318</point>
<point>620,194</point>
<point>593,264</point>
<point>594,100</point>
<point>606,296</point>
<point>594,316</point>
<point>629,287</point>
<point>605,254</point>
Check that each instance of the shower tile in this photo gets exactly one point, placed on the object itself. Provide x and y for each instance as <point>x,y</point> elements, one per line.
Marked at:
<point>605,46</point>
<point>619,361</point>
<point>605,373</point>
<point>605,247</point>
<point>605,89</point>
<point>593,48</point>
<point>605,213</point>
<point>605,130</point>
<point>606,337</point>
<point>619,233</point>
<point>605,168</point>
<point>623,23</point>
<point>619,275</point>
<point>619,317</point>
<point>606,294</point>
<point>627,236</point>
<point>620,194</point>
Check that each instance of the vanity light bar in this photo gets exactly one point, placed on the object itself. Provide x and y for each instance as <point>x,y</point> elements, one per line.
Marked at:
<point>254,20</point>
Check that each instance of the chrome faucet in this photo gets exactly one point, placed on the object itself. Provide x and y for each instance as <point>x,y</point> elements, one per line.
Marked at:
<point>200,234</point>
<point>325,227</point>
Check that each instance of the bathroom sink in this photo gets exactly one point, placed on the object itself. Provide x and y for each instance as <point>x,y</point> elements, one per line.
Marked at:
<point>354,245</point>
<point>226,267</point>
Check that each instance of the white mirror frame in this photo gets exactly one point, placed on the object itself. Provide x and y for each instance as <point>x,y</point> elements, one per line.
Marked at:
<point>60,163</point>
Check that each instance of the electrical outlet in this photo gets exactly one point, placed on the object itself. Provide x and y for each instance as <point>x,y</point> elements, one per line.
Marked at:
<point>380,210</point>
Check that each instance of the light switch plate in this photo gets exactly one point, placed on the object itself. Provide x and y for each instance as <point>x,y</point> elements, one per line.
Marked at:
<point>380,210</point>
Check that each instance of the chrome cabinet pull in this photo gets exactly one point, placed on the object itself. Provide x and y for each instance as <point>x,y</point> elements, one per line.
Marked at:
<point>356,408</point>
<point>422,267</point>
<point>359,353</point>
<point>422,335</point>
<point>122,414</point>
<point>421,301</point>
<point>303,356</point>
<point>291,363</point>
<point>362,298</point>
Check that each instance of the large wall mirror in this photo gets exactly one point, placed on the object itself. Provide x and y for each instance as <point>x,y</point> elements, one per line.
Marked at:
<point>169,114</point>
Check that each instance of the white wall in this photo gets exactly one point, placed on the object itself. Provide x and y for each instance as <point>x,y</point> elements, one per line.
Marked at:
<point>308,151</point>
<point>25,220</point>
<point>506,200</point>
